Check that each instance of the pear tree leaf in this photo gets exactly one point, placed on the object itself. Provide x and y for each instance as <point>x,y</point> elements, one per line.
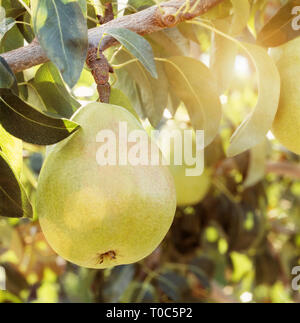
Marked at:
<point>25,122</point>
<point>83,6</point>
<point>13,199</point>
<point>254,128</point>
<point>223,54</point>
<point>62,32</point>
<point>137,45</point>
<point>5,23</point>
<point>222,10</point>
<point>241,14</point>
<point>117,282</point>
<point>13,149</point>
<point>279,29</point>
<point>129,87</point>
<point>194,84</point>
<point>117,97</point>
<point>174,285</point>
<point>53,91</point>
<point>154,92</point>
<point>257,164</point>
<point>168,43</point>
<point>7,77</point>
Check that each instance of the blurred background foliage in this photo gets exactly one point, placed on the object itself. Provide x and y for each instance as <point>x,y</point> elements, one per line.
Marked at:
<point>239,244</point>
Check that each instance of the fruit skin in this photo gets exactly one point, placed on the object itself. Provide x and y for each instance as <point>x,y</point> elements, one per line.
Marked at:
<point>190,190</point>
<point>102,216</point>
<point>286,127</point>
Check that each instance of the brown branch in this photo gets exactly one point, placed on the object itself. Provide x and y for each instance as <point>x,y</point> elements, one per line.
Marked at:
<point>284,169</point>
<point>143,22</point>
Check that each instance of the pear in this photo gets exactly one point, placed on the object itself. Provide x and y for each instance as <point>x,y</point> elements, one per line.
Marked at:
<point>190,190</point>
<point>286,126</point>
<point>102,216</point>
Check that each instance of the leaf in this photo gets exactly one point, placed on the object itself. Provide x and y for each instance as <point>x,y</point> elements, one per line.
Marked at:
<point>241,14</point>
<point>13,199</point>
<point>154,92</point>
<point>257,164</point>
<point>5,23</point>
<point>127,85</point>
<point>26,28</point>
<point>255,127</point>
<point>223,54</point>
<point>13,39</point>
<point>7,77</point>
<point>53,92</point>
<point>279,28</point>
<point>13,149</point>
<point>188,31</point>
<point>119,279</point>
<point>83,6</point>
<point>62,32</point>
<point>137,46</point>
<point>174,285</point>
<point>117,97</point>
<point>169,42</point>
<point>194,84</point>
<point>24,122</point>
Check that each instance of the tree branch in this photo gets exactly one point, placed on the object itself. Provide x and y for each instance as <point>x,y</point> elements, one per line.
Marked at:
<point>143,22</point>
<point>284,169</point>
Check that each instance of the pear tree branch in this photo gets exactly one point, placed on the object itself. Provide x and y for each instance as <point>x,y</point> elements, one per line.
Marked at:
<point>144,22</point>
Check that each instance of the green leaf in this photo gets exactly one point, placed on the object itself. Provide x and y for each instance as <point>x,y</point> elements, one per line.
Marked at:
<point>13,149</point>
<point>116,284</point>
<point>52,91</point>
<point>194,84</point>
<point>13,39</point>
<point>5,23</point>
<point>61,29</point>
<point>24,122</point>
<point>7,77</point>
<point>117,97</point>
<point>127,85</point>
<point>279,29</point>
<point>170,42</point>
<point>257,164</point>
<point>137,46</point>
<point>174,285</point>
<point>154,92</point>
<point>255,127</point>
<point>13,199</point>
<point>26,28</point>
<point>83,6</point>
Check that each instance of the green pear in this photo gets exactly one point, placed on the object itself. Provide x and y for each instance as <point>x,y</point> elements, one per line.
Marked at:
<point>286,127</point>
<point>190,190</point>
<point>102,216</point>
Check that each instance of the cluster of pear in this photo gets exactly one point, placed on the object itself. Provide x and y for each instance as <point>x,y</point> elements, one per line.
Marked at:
<point>286,127</point>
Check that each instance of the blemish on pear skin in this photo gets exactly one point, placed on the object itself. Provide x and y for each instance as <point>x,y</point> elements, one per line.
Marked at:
<point>110,255</point>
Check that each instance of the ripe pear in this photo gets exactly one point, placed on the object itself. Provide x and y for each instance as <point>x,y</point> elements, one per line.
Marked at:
<point>190,190</point>
<point>102,216</point>
<point>286,127</point>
